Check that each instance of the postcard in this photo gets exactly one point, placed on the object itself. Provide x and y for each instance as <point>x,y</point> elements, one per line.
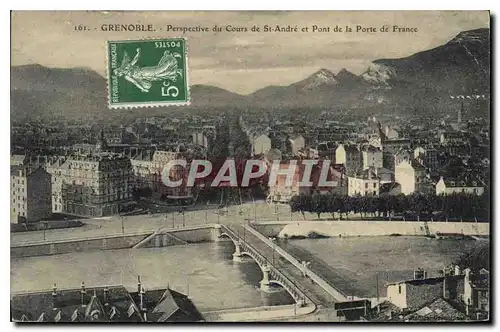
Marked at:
<point>250,166</point>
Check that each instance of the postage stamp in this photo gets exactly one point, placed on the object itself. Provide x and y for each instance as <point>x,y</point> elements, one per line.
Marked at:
<point>147,73</point>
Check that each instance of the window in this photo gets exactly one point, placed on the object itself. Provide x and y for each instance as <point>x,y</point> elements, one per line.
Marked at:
<point>374,193</point>
<point>366,185</point>
<point>399,289</point>
<point>13,210</point>
<point>374,185</point>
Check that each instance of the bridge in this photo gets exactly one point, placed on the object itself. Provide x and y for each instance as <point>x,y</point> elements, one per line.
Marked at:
<point>270,273</point>
<point>279,267</point>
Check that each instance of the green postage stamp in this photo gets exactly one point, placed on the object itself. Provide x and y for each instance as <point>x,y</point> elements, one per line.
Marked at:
<point>150,72</point>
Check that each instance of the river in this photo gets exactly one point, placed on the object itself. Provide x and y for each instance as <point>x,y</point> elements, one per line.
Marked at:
<point>213,281</point>
<point>206,271</point>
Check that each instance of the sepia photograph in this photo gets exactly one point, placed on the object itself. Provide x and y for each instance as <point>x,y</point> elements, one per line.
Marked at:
<point>250,167</point>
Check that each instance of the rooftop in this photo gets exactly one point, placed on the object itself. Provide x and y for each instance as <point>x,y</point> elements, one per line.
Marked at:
<point>103,304</point>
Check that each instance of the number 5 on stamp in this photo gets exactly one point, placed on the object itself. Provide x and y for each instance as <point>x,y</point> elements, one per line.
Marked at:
<point>147,73</point>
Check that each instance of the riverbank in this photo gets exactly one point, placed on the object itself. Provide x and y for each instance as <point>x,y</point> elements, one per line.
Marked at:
<point>259,314</point>
<point>346,228</point>
<point>50,224</point>
<point>148,239</point>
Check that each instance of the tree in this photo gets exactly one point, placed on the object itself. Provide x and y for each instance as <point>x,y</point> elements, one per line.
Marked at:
<point>475,259</point>
<point>319,204</point>
<point>345,205</point>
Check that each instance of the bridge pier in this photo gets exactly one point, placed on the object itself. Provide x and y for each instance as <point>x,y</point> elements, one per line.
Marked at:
<point>300,302</point>
<point>237,256</point>
<point>265,284</point>
<point>216,233</point>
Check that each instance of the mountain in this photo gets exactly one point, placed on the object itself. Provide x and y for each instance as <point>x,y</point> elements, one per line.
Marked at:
<point>211,96</point>
<point>81,94</point>
<point>319,90</point>
<point>39,92</point>
<point>461,66</point>
<point>422,81</point>
<point>346,78</point>
<point>40,78</point>
<point>323,78</point>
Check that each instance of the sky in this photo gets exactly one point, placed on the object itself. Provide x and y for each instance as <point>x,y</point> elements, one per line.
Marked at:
<point>241,62</point>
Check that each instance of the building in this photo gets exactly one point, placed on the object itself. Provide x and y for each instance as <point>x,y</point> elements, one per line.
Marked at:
<point>386,175</point>
<point>412,177</point>
<point>327,150</point>
<point>468,292</point>
<point>201,139</point>
<point>477,291</point>
<point>364,183</point>
<point>30,194</point>
<point>395,151</point>
<point>160,160</point>
<point>336,176</point>
<point>391,133</point>
<point>144,176</point>
<point>261,144</point>
<point>350,157</point>
<point>412,294</point>
<point>401,155</point>
<point>281,191</point>
<point>437,310</point>
<point>91,184</point>
<point>19,160</point>
<point>297,143</point>
<point>455,186</point>
<point>372,157</point>
<point>103,304</point>
<point>271,155</point>
<point>427,157</point>
<point>394,145</point>
<point>453,137</point>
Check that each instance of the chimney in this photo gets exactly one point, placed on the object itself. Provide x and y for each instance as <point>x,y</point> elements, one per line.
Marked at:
<point>106,296</point>
<point>139,288</point>
<point>467,275</point>
<point>82,294</point>
<point>445,295</point>
<point>457,270</point>
<point>141,296</point>
<point>54,297</point>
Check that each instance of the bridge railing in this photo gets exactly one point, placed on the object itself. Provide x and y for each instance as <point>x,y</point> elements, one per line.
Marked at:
<point>325,284</point>
<point>276,273</point>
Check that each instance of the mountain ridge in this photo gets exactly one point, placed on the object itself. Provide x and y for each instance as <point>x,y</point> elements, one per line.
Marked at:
<point>460,65</point>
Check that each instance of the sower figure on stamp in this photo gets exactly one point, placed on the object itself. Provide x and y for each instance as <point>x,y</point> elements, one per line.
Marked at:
<point>142,78</point>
